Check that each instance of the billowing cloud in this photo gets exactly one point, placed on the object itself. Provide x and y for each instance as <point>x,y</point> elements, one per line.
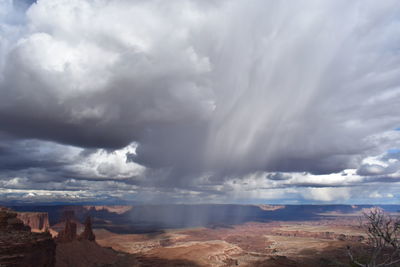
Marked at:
<point>194,95</point>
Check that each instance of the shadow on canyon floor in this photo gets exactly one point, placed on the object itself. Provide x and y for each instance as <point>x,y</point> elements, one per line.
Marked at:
<point>88,254</point>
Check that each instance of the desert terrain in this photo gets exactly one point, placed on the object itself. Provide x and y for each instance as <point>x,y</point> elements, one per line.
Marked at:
<point>199,235</point>
<point>248,244</point>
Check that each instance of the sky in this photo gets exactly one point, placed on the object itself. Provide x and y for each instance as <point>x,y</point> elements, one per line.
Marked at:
<point>200,101</point>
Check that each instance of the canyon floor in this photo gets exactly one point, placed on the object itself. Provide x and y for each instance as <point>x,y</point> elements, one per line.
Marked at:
<point>302,243</point>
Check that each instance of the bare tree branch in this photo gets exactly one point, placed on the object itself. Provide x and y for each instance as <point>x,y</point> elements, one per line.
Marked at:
<point>383,232</point>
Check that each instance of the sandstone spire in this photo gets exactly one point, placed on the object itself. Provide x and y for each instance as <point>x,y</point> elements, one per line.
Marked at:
<point>88,234</point>
<point>69,232</point>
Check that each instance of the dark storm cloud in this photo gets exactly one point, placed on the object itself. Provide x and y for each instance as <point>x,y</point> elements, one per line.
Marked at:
<point>198,92</point>
<point>278,176</point>
<point>16,155</point>
<point>44,171</point>
<point>372,169</point>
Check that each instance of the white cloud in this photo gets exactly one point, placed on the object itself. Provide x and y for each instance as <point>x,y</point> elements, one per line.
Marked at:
<point>103,164</point>
<point>327,194</point>
<point>381,195</point>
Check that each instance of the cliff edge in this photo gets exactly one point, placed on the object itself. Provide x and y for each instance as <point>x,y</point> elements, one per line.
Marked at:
<point>21,247</point>
<point>37,221</point>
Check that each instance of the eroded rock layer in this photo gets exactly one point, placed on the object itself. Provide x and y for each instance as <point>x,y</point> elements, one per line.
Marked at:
<point>20,247</point>
<point>37,221</point>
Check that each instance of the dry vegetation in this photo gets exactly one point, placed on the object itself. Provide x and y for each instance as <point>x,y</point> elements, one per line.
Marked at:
<point>383,242</point>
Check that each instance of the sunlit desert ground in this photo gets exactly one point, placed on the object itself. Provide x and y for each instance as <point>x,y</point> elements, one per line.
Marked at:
<point>248,244</point>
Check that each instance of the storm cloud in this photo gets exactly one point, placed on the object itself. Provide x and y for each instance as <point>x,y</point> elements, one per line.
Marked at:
<point>200,96</point>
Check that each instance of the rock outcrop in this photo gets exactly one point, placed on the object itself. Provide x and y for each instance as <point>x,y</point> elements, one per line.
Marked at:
<point>87,233</point>
<point>37,221</point>
<point>20,247</point>
<point>68,234</point>
<point>118,209</point>
<point>68,229</point>
<point>9,221</point>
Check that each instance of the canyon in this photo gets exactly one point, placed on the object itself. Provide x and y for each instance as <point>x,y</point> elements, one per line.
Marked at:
<point>184,235</point>
<point>37,221</point>
<point>20,247</point>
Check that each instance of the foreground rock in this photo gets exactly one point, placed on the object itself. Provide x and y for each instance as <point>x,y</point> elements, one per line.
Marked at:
<point>20,247</point>
<point>75,250</point>
<point>84,253</point>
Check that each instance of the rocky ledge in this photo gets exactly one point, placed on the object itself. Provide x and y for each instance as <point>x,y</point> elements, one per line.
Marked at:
<point>20,247</point>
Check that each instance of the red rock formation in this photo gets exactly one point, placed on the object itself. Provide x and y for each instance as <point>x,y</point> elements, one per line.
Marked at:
<point>10,222</point>
<point>114,209</point>
<point>87,234</point>
<point>68,234</point>
<point>59,227</point>
<point>37,221</point>
<point>20,247</point>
